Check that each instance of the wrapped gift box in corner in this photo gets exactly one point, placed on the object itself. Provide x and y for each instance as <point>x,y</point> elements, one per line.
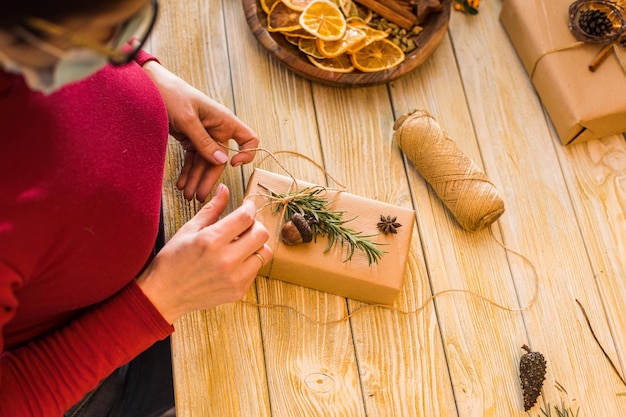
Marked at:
<point>307,264</point>
<point>582,105</point>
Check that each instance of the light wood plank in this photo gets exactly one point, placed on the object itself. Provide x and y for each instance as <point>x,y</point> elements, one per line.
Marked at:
<point>311,369</point>
<point>481,341</point>
<point>459,356</point>
<point>518,152</point>
<point>595,173</point>
<point>400,357</point>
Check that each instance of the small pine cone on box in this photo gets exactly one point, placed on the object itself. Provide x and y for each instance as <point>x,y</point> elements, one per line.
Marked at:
<point>532,372</point>
<point>595,22</point>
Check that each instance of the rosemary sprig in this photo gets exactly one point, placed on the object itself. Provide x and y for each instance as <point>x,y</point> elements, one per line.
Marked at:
<point>561,411</point>
<point>325,222</point>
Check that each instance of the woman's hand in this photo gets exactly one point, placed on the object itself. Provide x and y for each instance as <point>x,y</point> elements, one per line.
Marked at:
<point>204,128</point>
<point>208,262</point>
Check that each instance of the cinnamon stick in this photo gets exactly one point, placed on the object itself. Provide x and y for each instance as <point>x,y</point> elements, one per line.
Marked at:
<point>405,20</point>
<point>601,57</point>
<point>396,6</point>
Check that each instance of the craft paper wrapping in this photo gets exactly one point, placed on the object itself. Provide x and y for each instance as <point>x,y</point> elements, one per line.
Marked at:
<point>308,265</point>
<point>583,105</point>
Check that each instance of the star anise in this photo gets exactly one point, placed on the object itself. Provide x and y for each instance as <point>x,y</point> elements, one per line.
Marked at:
<point>388,224</point>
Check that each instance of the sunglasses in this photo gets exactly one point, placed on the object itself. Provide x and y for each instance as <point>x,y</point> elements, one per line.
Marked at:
<point>126,43</point>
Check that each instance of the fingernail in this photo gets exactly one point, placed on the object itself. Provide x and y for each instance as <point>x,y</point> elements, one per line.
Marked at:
<point>219,189</point>
<point>237,164</point>
<point>251,206</point>
<point>220,157</point>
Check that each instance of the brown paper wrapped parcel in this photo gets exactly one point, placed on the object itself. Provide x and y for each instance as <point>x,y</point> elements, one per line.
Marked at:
<point>307,264</point>
<point>583,105</point>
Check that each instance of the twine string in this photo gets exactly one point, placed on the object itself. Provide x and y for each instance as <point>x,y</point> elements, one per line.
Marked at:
<point>465,189</point>
<point>288,195</point>
<point>471,172</point>
<point>273,199</point>
<point>550,52</point>
<point>613,46</point>
<point>426,303</point>
<point>611,40</point>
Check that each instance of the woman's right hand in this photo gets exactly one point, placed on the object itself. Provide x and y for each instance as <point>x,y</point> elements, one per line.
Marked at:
<point>208,262</point>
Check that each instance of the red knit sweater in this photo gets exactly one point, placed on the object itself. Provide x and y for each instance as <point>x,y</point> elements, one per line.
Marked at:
<point>80,189</point>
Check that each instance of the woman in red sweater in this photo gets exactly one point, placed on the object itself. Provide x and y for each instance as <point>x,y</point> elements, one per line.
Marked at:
<point>84,121</point>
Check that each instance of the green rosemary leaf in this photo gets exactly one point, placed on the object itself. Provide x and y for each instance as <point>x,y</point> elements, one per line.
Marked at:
<point>331,242</point>
<point>325,222</point>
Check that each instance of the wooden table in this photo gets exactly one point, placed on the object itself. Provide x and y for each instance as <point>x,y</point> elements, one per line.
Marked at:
<point>458,356</point>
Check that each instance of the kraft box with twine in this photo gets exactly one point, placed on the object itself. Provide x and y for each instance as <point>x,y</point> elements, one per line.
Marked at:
<point>310,265</point>
<point>582,104</point>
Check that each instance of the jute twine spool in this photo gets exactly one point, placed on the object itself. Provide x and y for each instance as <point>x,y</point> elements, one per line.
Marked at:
<point>464,189</point>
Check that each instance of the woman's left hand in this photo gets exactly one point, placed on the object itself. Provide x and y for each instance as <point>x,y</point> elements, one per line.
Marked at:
<point>203,128</point>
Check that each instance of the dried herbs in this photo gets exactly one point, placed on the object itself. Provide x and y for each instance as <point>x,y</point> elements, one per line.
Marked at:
<point>310,204</point>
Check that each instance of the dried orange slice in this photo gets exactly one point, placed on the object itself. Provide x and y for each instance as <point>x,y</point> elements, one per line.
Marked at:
<point>340,63</point>
<point>331,49</point>
<point>371,35</point>
<point>283,19</point>
<point>324,20</point>
<point>299,33</point>
<point>379,55</point>
<point>369,30</point>
<point>353,11</point>
<point>299,5</point>
<point>266,5</point>
<point>294,40</point>
<point>309,47</point>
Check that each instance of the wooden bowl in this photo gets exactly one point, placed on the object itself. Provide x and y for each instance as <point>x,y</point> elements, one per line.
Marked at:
<point>435,28</point>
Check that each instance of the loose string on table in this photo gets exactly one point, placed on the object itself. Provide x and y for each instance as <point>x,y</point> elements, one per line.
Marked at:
<point>486,219</point>
<point>425,304</point>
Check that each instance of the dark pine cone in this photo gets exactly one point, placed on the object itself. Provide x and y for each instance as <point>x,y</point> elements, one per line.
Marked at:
<point>595,22</point>
<point>532,372</point>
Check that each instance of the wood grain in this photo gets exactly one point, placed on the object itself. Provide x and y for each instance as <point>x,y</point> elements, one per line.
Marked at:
<point>519,153</point>
<point>456,356</point>
<point>311,369</point>
<point>478,264</point>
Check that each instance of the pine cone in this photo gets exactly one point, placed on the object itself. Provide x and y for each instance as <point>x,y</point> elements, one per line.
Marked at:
<point>595,22</point>
<point>532,371</point>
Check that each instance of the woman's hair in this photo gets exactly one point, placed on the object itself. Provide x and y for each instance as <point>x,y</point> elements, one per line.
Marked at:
<point>13,12</point>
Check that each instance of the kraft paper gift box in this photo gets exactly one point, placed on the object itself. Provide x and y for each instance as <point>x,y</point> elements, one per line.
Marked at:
<point>307,265</point>
<point>582,105</point>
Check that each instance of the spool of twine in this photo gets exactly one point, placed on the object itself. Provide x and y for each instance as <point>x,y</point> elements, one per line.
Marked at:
<point>464,189</point>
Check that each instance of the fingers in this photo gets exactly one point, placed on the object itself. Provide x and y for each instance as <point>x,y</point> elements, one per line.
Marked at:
<point>211,211</point>
<point>209,178</point>
<point>245,156</point>
<point>203,142</point>
<point>241,228</point>
<point>183,178</point>
<point>211,128</point>
<point>197,176</point>
<point>260,258</point>
<point>238,227</point>
<point>209,261</point>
